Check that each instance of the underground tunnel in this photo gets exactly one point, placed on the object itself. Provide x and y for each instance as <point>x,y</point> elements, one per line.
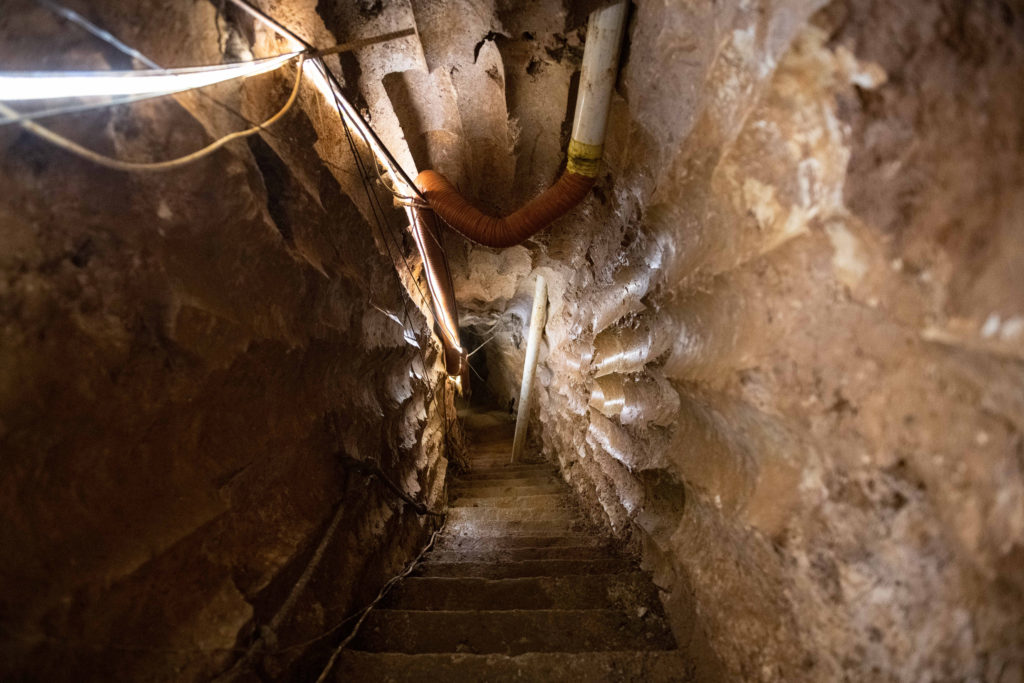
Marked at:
<point>481,340</point>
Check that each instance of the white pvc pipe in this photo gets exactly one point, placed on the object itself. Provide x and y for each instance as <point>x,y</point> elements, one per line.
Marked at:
<point>597,80</point>
<point>537,319</point>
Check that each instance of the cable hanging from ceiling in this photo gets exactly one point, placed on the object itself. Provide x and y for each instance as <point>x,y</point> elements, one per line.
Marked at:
<point>121,165</point>
<point>121,87</point>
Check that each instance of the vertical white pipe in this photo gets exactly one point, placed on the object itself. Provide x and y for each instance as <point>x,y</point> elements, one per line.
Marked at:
<point>597,80</point>
<point>537,319</point>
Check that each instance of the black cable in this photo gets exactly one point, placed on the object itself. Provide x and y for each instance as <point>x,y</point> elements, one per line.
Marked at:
<point>380,217</point>
<point>379,143</point>
<point>382,221</point>
<point>336,86</point>
<point>379,214</point>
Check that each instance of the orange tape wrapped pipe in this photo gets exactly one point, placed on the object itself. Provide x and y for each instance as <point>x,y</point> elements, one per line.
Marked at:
<point>466,219</point>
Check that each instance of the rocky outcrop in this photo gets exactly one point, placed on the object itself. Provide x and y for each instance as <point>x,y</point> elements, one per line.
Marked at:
<point>783,355</point>
<point>192,361</point>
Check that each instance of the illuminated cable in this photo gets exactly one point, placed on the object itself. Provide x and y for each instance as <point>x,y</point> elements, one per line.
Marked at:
<point>330,84</point>
<point>325,81</point>
<point>111,39</point>
<point>20,86</point>
<point>75,108</point>
<point>120,165</point>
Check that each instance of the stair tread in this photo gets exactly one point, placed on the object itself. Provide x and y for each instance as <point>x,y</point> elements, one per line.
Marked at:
<point>505,475</point>
<point>523,568</point>
<point>589,591</point>
<point>512,631</point>
<point>479,528</point>
<point>481,492</point>
<point>570,552</point>
<point>489,514</point>
<point>552,667</point>
<point>551,500</point>
<point>489,543</point>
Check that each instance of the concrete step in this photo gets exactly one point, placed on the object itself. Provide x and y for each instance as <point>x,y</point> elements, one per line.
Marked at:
<point>532,471</point>
<point>555,667</point>
<point>486,489</point>
<point>502,460</point>
<point>511,570</point>
<point>626,591</point>
<point>511,632</point>
<point>544,514</point>
<point>505,528</point>
<point>540,480</point>
<point>520,554</point>
<point>487,543</point>
<point>513,485</point>
<point>491,477</point>
<point>544,500</point>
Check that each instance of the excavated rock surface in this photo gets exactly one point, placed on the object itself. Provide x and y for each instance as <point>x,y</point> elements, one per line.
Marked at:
<point>518,587</point>
<point>189,363</point>
<point>800,271</point>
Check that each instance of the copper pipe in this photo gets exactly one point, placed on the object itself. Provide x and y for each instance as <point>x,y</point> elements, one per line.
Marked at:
<point>490,231</point>
<point>427,234</point>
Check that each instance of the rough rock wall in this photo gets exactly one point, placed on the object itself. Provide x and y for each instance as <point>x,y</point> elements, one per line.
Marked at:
<point>797,286</point>
<point>190,363</point>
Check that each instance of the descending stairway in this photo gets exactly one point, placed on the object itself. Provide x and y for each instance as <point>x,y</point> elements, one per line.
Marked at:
<point>518,588</point>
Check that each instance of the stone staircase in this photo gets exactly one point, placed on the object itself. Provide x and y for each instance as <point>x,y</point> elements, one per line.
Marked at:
<point>518,588</point>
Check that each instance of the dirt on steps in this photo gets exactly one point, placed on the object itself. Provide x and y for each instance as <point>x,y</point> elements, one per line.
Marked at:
<point>519,587</point>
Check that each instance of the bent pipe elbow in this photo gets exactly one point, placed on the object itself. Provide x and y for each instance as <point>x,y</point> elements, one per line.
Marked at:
<point>490,231</point>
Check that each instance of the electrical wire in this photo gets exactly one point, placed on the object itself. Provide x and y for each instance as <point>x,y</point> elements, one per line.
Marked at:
<point>366,131</point>
<point>111,39</point>
<point>385,230</point>
<point>75,108</point>
<point>379,215</point>
<point>366,611</point>
<point>486,341</point>
<point>120,165</point>
<point>104,35</point>
<point>18,86</point>
<point>347,112</point>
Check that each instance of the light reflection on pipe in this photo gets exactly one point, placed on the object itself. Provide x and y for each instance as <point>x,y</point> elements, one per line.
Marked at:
<point>330,93</point>
<point>445,319</point>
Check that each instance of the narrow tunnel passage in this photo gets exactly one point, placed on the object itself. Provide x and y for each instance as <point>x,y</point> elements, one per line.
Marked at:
<point>778,421</point>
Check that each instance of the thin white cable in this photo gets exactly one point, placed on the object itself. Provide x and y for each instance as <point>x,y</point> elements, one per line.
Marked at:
<point>75,108</point>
